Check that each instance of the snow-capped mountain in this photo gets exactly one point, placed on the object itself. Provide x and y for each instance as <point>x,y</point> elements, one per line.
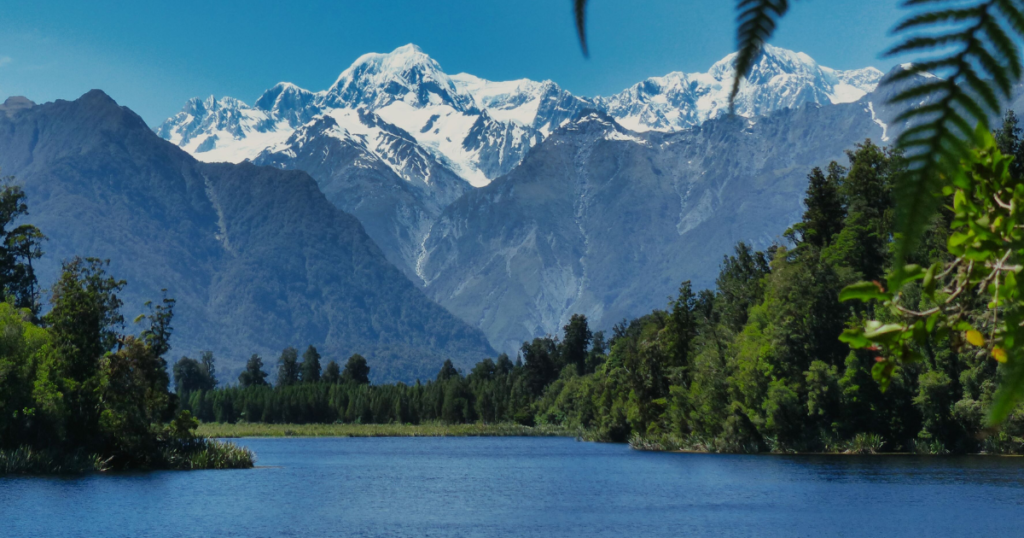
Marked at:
<point>541,105</point>
<point>405,89</point>
<point>481,129</point>
<point>780,79</point>
<point>376,171</point>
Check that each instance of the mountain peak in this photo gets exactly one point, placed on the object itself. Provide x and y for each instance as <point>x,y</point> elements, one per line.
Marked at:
<point>288,102</point>
<point>407,49</point>
<point>406,74</point>
<point>15,103</point>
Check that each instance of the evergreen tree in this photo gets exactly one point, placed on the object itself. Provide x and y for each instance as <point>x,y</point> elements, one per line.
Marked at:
<point>739,284</point>
<point>576,342</point>
<point>19,246</point>
<point>447,371</point>
<point>356,371</point>
<point>332,373</point>
<point>310,367</point>
<point>253,375</point>
<point>1009,142</point>
<point>209,368</point>
<point>84,322</point>
<point>681,326</point>
<point>503,366</point>
<point>823,218</point>
<point>596,355</point>
<point>188,376</point>
<point>288,367</point>
<point>540,360</point>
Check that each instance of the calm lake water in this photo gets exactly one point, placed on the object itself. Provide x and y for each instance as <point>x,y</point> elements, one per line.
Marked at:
<point>527,487</point>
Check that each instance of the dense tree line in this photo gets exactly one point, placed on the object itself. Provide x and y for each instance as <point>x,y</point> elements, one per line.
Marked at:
<point>754,365</point>
<point>76,390</point>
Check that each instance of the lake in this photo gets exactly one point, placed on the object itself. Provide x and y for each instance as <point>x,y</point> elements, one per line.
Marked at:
<point>485,487</point>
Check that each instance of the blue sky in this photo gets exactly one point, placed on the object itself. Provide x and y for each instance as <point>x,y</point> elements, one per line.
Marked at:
<point>151,56</point>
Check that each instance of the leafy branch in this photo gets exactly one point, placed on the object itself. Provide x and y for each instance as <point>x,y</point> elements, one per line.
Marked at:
<point>986,245</point>
<point>981,67</point>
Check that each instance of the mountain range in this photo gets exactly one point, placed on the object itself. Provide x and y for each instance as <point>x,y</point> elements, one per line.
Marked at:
<point>516,204</point>
<point>257,258</point>
<point>413,216</point>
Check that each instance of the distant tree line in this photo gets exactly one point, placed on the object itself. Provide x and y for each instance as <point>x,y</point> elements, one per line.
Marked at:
<point>754,365</point>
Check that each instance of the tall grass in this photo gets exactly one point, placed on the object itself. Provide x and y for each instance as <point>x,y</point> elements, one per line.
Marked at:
<point>202,453</point>
<point>25,460</point>
<point>196,454</point>
<point>224,430</point>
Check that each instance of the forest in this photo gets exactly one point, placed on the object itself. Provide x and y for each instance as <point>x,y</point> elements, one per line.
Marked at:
<point>769,361</point>
<point>77,392</point>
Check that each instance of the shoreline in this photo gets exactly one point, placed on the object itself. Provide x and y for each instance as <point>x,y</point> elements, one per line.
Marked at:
<point>235,431</point>
<point>218,430</point>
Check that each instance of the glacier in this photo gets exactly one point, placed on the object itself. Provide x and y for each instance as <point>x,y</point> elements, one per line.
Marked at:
<point>481,129</point>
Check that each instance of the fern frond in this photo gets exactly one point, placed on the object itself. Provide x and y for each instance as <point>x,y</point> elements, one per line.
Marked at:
<point>580,10</point>
<point>977,76</point>
<point>755,24</point>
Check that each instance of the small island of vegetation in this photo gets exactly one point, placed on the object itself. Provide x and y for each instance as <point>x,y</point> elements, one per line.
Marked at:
<point>77,394</point>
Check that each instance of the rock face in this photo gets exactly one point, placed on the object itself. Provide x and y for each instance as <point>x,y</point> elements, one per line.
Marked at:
<point>441,134</point>
<point>375,171</point>
<point>257,258</point>
<point>607,222</point>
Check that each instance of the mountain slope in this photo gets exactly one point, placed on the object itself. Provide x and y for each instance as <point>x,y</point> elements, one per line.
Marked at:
<point>257,258</point>
<point>398,115</point>
<point>607,222</point>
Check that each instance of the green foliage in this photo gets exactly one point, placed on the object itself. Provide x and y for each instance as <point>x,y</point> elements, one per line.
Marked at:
<point>357,371</point>
<point>76,392</point>
<point>253,375</point>
<point>332,373</point>
<point>981,268</point>
<point>192,375</point>
<point>19,246</point>
<point>288,367</point>
<point>310,367</point>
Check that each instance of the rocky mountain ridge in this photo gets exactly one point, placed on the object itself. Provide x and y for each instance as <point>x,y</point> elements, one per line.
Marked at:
<point>257,258</point>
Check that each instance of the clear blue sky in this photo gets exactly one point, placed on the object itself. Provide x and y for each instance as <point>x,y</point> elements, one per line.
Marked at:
<point>153,55</point>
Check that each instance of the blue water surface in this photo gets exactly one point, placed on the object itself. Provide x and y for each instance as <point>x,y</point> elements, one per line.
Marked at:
<point>447,487</point>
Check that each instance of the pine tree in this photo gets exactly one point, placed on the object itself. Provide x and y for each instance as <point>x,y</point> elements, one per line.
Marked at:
<point>576,342</point>
<point>288,367</point>
<point>19,246</point>
<point>823,218</point>
<point>356,371</point>
<point>310,367</point>
<point>209,369</point>
<point>447,371</point>
<point>253,375</point>
<point>332,373</point>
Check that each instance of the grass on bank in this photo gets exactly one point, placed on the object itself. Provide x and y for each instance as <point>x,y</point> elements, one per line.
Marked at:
<point>225,430</point>
<point>199,454</point>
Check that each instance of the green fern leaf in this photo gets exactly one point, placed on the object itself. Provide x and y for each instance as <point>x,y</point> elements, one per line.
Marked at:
<point>755,24</point>
<point>580,9</point>
<point>977,74</point>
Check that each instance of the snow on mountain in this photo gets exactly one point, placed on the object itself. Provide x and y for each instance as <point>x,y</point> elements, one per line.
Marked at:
<point>481,129</point>
<point>779,79</point>
<point>543,106</point>
<point>405,75</point>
